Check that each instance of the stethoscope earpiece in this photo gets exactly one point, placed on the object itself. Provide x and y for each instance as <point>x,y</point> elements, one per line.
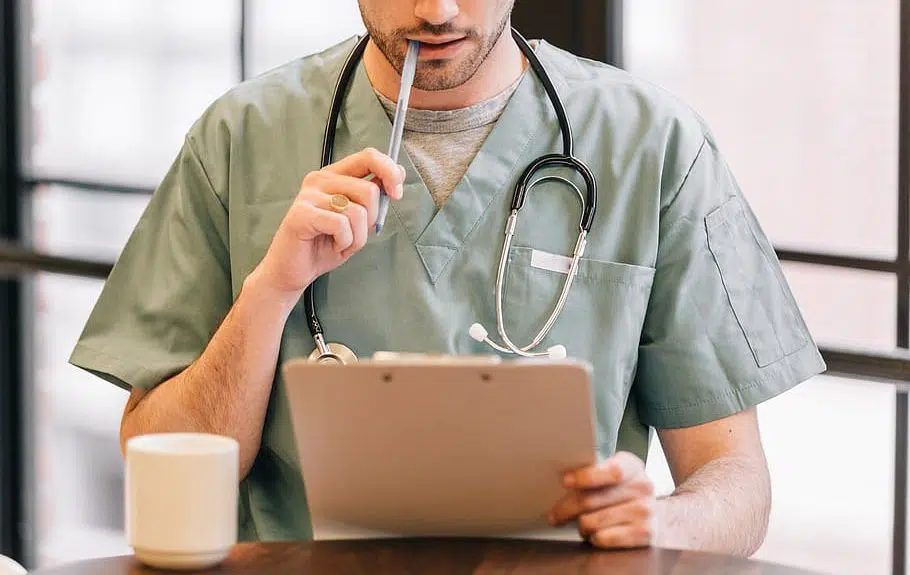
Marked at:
<point>557,352</point>
<point>478,332</point>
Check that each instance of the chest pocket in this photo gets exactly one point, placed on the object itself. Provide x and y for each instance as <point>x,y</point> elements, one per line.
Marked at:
<point>603,314</point>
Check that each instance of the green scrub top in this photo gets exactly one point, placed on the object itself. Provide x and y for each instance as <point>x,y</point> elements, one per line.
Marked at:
<point>679,306</point>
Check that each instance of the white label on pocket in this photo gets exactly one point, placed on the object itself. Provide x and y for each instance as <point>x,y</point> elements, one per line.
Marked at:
<point>550,262</point>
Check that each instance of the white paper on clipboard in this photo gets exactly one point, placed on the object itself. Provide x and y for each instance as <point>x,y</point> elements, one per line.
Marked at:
<point>467,449</point>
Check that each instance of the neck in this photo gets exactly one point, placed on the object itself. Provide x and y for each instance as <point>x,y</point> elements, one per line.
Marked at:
<point>502,67</point>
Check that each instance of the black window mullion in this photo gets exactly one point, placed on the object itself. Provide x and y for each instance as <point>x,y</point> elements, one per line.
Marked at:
<point>839,261</point>
<point>87,185</point>
<point>902,308</point>
<point>903,192</point>
<point>242,37</point>
<point>12,352</point>
<point>615,29</point>
<point>16,261</point>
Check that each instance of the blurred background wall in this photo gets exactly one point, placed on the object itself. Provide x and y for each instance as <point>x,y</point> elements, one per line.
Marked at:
<point>803,96</point>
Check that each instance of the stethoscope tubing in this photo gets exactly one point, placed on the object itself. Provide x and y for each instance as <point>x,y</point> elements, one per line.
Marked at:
<point>566,159</point>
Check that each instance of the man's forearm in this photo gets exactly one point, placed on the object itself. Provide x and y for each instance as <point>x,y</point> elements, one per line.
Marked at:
<point>226,391</point>
<point>723,507</point>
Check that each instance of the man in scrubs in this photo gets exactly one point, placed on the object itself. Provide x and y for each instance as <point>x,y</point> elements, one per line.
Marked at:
<point>679,304</point>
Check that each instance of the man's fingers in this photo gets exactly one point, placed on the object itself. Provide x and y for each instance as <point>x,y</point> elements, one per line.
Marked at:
<point>635,511</point>
<point>359,191</point>
<point>332,224</point>
<point>371,161</point>
<point>578,502</point>
<point>613,471</point>
<point>357,214</point>
<point>622,537</point>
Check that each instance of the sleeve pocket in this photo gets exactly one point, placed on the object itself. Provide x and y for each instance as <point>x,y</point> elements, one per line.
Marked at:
<point>754,284</point>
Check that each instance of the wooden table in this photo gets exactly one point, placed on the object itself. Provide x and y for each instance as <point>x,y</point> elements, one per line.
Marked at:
<point>447,557</point>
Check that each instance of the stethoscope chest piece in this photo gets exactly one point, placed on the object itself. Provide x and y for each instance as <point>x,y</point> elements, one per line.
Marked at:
<point>333,354</point>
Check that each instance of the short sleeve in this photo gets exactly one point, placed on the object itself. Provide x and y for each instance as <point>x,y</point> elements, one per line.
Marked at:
<point>169,289</point>
<point>722,332</point>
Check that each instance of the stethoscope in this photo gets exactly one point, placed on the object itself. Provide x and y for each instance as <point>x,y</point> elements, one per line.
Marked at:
<point>340,354</point>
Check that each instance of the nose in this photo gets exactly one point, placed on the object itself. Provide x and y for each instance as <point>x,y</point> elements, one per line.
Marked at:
<point>436,12</point>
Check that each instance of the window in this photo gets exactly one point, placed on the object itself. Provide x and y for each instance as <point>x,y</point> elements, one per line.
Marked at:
<point>115,87</point>
<point>804,98</point>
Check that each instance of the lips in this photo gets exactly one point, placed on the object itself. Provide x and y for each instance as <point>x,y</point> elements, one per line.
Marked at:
<point>436,48</point>
<point>439,41</point>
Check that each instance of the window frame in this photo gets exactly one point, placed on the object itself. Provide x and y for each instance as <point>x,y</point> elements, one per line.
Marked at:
<point>592,28</point>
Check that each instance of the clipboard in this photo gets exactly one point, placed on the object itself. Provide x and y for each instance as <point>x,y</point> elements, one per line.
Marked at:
<point>447,448</point>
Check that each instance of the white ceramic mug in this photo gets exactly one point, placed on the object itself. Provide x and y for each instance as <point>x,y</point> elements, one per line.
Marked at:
<point>181,499</point>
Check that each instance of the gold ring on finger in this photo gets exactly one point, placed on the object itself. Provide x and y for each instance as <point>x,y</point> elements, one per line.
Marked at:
<point>339,202</point>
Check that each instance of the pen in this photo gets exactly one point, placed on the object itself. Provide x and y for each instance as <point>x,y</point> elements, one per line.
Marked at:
<point>404,94</point>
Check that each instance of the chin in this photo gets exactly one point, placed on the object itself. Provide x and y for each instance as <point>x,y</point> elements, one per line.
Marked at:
<point>440,75</point>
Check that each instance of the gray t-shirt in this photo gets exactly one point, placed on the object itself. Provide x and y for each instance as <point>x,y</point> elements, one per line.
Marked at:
<point>442,143</point>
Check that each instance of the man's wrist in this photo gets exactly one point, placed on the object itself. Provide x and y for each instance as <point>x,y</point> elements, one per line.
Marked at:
<point>260,295</point>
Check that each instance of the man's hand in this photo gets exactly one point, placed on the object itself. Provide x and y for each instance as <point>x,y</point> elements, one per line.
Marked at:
<point>721,502</point>
<point>612,502</point>
<point>313,239</point>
